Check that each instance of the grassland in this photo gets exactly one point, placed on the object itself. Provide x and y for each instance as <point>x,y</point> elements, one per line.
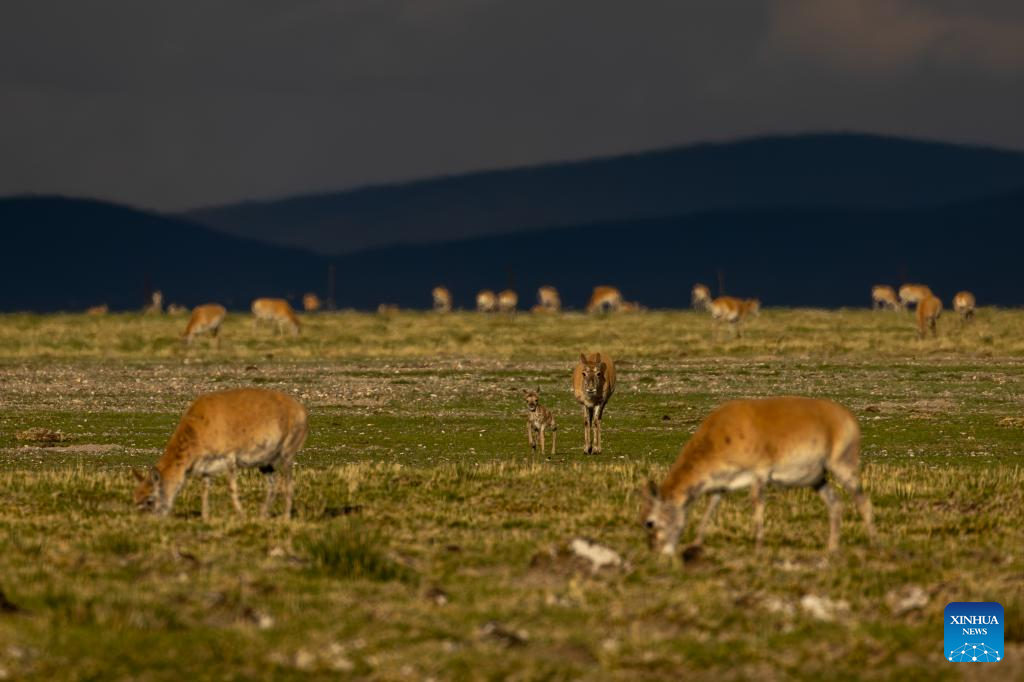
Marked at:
<point>428,543</point>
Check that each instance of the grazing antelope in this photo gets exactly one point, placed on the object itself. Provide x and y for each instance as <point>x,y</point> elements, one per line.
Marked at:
<point>486,301</point>
<point>539,419</point>
<point>928,310</point>
<point>913,293</point>
<point>791,442</point>
<point>733,311</point>
<point>277,311</point>
<point>508,300</point>
<point>963,304</point>
<point>101,309</point>
<point>700,297</point>
<point>442,300</point>
<point>883,297</point>
<point>604,299</point>
<point>593,382</point>
<point>547,297</point>
<point>205,319</point>
<point>155,305</point>
<point>175,309</point>
<point>311,302</point>
<point>221,433</point>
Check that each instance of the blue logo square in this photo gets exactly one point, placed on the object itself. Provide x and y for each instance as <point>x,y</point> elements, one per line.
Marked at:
<point>973,632</point>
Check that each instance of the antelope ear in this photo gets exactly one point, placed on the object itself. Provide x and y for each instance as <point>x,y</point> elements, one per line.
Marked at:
<point>597,359</point>
<point>138,475</point>
<point>583,359</point>
<point>154,474</point>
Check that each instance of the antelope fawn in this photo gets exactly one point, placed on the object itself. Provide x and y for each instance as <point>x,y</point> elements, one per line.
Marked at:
<point>733,311</point>
<point>442,299</point>
<point>221,433</point>
<point>593,382</point>
<point>791,442</point>
<point>539,420</point>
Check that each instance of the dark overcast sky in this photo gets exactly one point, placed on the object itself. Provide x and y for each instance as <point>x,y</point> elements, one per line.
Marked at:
<point>180,104</point>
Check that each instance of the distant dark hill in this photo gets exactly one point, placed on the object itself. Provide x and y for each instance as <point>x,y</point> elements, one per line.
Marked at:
<point>816,257</point>
<point>811,171</point>
<point>67,254</point>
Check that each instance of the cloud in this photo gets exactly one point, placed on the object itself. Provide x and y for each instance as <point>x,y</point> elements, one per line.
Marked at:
<point>882,35</point>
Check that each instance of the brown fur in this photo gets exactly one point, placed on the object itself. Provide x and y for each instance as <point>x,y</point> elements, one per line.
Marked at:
<point>700,297</point>
<point>508,300</point>
<point>963,304</point>
<point>155,305</point>
<point>733,311</point>
<point>205,319</point>
<point>788,441</point>
<point>547,297</point>
<point>593,382</point>
<point>539,420</point>
<point>442,299</point>
<point>102,309</point>
<point>928,310</point>
<point>277,311</point>
<point>311,302</point>
<point>486,301</point>
<point>913,293</point>
<point>884,297</point>
<point>604,299</point>
<point>223,432</point>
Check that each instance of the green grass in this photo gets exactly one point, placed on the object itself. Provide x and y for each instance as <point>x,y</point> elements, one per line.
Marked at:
<point>421,519</point>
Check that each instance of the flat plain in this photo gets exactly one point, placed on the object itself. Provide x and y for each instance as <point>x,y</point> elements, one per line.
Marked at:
<point>429,543</point>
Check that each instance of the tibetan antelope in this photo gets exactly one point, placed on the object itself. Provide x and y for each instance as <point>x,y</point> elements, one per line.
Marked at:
<point>387,308</point>
<point>547,297</point>
<point>442,299</point>
<point>883,297</point>
<point>539,420</point>
<point>486,301</point>
<point>733,311</point>
<point>700,297</point>
<point>311,302</point>
<point>205,319</point>
<point>155,305</point>
<point>221,433</point>
<point>790,442</point>
<point>101,309</point>
<point>913,293</point>
<point>593,382</point>
<point>963,304</point>
<point>928,310</point>
<point>508,300</point>
<point>175,309</point>
<point>604,299</point>
<point>277,311</point>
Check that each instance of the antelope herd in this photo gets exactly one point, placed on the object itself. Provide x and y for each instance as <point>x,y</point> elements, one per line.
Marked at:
<point>782,441</point>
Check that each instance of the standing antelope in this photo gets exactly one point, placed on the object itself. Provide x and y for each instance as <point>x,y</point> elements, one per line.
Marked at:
<point>884,297</point>
<point>205,319</point>
<point>486,301</point>
<point>548,298</point>
<point>604,299</point>
<point>310,302</point>
<point>539,419</point>
<point>508,300</point>
<point>155,305</point>
<point>791,442</point>
<point>733,311</point>
<point>442,299</point>
<point>221,433</point>
<point>277,311</point>
<point>700,297</point>
<point>913,293</point>
<point>928,310</point>
<point>963,304</point>
<point>593,382</point>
